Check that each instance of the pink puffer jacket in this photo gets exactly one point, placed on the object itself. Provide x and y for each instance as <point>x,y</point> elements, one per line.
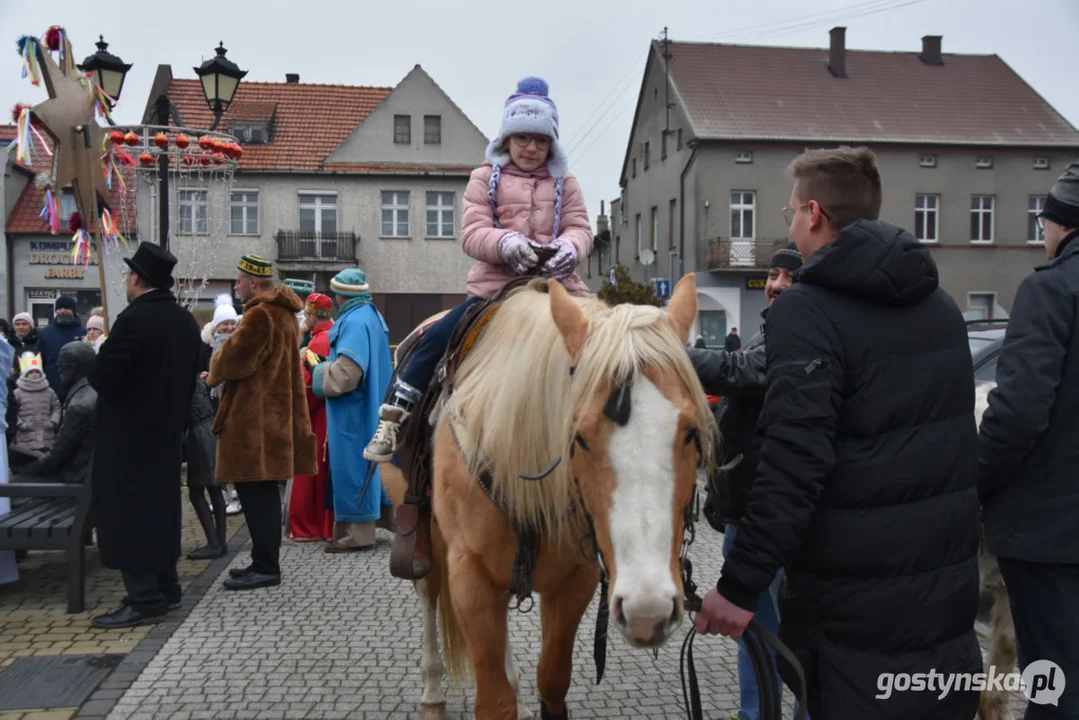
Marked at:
<point>525,205</point>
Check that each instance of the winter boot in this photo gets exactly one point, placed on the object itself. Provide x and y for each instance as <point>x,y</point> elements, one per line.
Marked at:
<point>390,419</point>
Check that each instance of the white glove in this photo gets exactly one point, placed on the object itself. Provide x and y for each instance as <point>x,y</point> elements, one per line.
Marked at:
<point>514,250</point>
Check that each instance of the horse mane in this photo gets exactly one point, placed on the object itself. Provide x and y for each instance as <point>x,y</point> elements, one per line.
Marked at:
<point>516,396</point>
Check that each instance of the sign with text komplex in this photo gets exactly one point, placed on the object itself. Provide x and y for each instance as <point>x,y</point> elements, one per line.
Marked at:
<point>56,256</point>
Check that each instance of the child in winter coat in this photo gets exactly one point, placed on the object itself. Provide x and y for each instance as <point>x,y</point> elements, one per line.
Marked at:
<point>39,408</point>
<point>95,331</point>
<point>214,335</point>
<point>523,199</point>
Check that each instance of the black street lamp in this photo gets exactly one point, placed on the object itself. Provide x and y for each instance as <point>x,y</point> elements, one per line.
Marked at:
<point>108,72</point>
<point>220,77</point>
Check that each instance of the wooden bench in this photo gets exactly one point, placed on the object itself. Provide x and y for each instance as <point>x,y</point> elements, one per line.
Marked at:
<point>55,518</point>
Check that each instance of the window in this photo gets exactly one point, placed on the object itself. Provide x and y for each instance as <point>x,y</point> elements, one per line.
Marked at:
<point>671,214</point>
<point>743,156</point>
<point>67,206</point>
<point>250,133</point>
<point>927,218</point>
<point>402,129</point>
<point>1041,163</point>
<point>634,167</point>
<point>439,214</point>
<point>432,129</point>
<point>395,213</point>
<point>655,228</point>
<point>1035,205</point>
<point>987,371</point>
<point>678,143</point>
<point>985,161</point>
<point>980,305</point>
<point>647,153</point>
<point>192,218</point>
<point>743,203</point>
<point>663,144</point>
<point>929,161</point>
<point>244,212</point>
<point>637,232</point>
<point>981,218</point>
<point>318,214</point>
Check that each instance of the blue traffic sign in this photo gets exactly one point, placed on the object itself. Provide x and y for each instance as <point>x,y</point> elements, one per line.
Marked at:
<point>663,287</point>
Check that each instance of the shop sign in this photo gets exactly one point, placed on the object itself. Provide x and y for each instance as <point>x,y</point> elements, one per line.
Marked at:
<point>58,259</point>
<point>756,283</point>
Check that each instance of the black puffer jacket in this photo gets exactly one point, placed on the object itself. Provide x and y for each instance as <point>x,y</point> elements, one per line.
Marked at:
<point>865,491</point>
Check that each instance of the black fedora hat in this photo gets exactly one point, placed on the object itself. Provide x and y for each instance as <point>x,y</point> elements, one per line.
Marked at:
<point>154,264</point>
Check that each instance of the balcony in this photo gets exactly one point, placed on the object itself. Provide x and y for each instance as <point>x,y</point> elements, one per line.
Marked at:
<point>300,246</point>
<point>749,254</point>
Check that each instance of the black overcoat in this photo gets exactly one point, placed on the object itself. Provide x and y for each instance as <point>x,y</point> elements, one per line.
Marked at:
<point>144,376</point>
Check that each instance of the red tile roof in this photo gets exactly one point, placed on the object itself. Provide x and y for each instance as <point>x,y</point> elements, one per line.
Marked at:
<point>25,217</point>
<point>390,168</point>
<point>746,92</point>
<point>309,120</point>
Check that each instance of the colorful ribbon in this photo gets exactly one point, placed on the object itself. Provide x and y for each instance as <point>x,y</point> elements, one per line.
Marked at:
<point>28,52</point>
<point>51,212</point>
<point>81,251</point>
<point>110,232</point>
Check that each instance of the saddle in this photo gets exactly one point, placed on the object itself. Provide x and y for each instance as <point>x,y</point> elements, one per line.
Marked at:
<point>410,558</point>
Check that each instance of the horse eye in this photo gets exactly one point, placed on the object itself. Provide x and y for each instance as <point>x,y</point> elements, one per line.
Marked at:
<point>580,441</point>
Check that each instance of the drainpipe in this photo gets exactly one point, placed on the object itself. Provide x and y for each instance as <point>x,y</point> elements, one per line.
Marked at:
<point>682,212</point>
<point>10,260</point>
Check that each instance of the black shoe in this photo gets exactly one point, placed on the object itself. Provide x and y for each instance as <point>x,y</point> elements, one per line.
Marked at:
<point>240,571</point>
<point>206,552</point>
<point>125,617</point>
<point>173,605</point>
<point>251,581</point>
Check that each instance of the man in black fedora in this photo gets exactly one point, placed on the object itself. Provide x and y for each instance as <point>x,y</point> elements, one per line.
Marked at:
<point>144,376</point>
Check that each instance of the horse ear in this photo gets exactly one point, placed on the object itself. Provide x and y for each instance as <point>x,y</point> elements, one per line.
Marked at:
<point>568,317</point>
<point>682,310</point>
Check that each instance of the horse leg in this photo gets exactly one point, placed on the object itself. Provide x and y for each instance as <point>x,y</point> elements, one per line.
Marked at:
<point>480,610</point>
<point>433,702</point>
<point>561,611</point>
<point>523,711</point>
<point>996,704</point>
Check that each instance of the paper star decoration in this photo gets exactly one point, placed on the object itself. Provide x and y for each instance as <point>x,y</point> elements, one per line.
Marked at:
<point>68,117</point>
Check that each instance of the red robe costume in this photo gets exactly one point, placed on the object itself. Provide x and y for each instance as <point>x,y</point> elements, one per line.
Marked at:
<point>308,517</point>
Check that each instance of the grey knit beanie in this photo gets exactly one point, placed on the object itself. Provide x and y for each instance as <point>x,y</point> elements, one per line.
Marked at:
<point>1062,205</point>
<point>787,257</point>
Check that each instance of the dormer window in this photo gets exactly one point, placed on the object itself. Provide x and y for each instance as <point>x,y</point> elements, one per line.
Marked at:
<point>250,133</point>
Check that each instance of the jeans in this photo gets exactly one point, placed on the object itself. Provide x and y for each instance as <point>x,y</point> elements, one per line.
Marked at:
<point>767,614</point>
<point>151,592</point>
<point>1046,628</point>
<point>432,346</point>
<point>261,503</point>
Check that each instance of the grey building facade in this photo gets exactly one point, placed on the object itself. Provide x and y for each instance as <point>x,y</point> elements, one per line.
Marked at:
<point>967,152</point>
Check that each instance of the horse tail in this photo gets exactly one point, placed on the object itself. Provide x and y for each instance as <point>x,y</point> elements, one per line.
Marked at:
<point>454,650</point>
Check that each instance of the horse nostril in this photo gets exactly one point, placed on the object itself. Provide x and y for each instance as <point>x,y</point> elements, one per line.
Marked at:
<point>616,610</point>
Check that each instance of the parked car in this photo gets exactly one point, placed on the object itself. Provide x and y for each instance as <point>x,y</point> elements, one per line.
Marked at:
<point>986,338</point>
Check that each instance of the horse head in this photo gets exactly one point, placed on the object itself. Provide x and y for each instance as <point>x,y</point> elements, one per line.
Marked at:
<point>639,430</point>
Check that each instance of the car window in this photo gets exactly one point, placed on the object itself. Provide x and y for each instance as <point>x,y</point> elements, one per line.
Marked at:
<point>978,343</point>
<point>987,371</point>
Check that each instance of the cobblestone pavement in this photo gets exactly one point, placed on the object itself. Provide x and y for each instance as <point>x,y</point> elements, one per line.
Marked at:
<point>33,611</point>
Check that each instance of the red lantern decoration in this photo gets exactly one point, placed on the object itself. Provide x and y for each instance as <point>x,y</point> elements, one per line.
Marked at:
<point>219,157</point>
<point>239,152</point>
<point>162,141</point>
<point>206,142</point>
<point>219,146</point>
<point>205,160</point>
<point>74,223</point>
<point>182,141</point>
<point>146,159</point>
<point>131,139</point>
<point>116,137</point>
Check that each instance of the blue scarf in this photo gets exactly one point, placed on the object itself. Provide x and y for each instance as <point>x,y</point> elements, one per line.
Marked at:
<point>361,299</point>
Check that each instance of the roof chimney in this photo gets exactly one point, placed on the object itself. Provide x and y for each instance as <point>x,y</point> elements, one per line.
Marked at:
<point>931,50</point>
<point>292,78</point>
<point>837,57</point>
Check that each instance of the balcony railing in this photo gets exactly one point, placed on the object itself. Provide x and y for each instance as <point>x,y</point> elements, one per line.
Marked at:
<point>738,254</point>
<point>299,245</point>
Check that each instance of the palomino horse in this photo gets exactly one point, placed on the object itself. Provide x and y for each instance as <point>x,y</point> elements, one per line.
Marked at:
<point>612,391</point>
<point>995,704</point>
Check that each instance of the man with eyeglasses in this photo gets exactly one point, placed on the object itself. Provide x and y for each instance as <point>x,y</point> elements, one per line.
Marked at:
<point>1029,453</point>
<point>864,492</point>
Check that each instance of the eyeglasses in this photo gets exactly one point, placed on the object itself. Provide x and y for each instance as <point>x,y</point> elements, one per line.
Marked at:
<point>788,212</point>
<point>523,140</point>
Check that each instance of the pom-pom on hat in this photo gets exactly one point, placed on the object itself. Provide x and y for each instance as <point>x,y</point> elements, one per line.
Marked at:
<point>530,110</point>
<point>318,305</point>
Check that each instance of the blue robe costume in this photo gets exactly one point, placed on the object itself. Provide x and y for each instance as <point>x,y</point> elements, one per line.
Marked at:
<point>361,335</point>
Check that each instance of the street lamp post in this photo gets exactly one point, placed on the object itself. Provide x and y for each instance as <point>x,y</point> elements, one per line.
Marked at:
<point>108,72</point>
<point>219,78</point>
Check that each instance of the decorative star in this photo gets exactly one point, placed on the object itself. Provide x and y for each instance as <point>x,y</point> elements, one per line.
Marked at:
<point>68,117</point>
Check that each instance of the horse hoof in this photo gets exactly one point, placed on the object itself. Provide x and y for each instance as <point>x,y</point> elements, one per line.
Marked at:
<point>433,711</point>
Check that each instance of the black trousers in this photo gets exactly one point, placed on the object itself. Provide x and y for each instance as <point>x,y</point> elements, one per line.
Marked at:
<point>261,502</point>
<point>1043,598</point>
<point>150,593</point>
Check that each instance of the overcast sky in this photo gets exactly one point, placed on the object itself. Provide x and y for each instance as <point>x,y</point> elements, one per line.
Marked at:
<point>591,53</point>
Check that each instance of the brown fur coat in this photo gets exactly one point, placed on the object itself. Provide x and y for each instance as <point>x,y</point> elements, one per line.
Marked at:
<point>263,427</point>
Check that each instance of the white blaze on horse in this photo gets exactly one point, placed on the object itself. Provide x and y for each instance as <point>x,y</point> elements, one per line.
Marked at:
<point>1003,655</point>
<point>610,392</point>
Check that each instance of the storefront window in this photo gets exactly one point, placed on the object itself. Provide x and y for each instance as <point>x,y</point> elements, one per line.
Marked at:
<point>41,301</point>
